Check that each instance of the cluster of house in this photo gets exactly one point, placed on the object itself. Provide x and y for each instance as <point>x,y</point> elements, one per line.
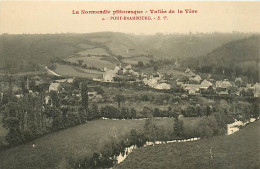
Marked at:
<point>118,71</point>
<point>156,81</point>
<point>57,86</point>
<point>192,76</point>
<point>196,85</point>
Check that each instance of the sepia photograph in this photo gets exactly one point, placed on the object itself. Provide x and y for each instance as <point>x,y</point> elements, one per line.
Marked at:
<point>129,84</point>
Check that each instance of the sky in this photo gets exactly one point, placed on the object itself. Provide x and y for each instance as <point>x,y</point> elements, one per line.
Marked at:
<point>20,17</point>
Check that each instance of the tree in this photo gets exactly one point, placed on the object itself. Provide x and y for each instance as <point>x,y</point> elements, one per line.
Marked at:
<point>205,130</point>
<point>119,99</point>
<point>57,119</point>
<point>110,112</point>
<point>147,112</point>
<point>80,62</point>
<point>208,110</point>
<point>222,119</point>
<point>11,122</point>
<point>82,115</point>
<point>140,64</point>
<point>178,127</point>
<point>55,115</point>
<point>223,106</point>
<point>0,98</point>
<point>191,111</point>
<point>54,99</point>
<point>125,113</point>
<point>198,110</point>
<point>150,130</point>
<point>152,62</point>
<point>255,109</point>
<point>23,86</point>
<point>33,85</point>
<point>84,96</point>
<point>156,112</point>
<point>132,113</point>
<point>93,113</point>
<point>155,68</point>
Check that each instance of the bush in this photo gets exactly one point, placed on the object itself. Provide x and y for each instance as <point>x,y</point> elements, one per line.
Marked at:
<point>14,137</point>
<point>110,112</point>
<point>73,119</point>
<point>28,135</point>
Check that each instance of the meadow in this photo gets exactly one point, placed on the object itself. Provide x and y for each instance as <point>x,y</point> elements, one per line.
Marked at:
<point>61,148</point>
<point>98,62</point>
<point>135,60</point>
<point>94,51</point>
<point>68,70</point>
<point>240,150</point>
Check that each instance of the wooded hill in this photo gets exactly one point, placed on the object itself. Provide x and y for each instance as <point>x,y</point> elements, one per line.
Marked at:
<point>236,58</point>
<point>25,52</point>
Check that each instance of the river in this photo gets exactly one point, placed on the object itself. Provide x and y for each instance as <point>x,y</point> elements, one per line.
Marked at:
<point>231,129</point>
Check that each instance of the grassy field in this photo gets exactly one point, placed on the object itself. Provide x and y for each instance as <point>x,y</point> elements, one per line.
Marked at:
<point>135,60</point>
<point>94,51</point>
<point>60,148</point>
<point>98,62</point>
<point>85,46</point>
<point>238,151</point>
<point>68,70</point>
<point>99,39</point>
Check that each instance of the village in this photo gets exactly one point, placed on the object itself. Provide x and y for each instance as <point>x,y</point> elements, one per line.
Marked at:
<point>192,84</point>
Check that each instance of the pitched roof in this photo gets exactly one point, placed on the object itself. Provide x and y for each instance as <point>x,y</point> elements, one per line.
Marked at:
<point>205,84</point>
<point>223,84</point>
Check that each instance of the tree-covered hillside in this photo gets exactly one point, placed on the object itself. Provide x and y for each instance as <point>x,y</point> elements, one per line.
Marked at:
<point>237,58</point>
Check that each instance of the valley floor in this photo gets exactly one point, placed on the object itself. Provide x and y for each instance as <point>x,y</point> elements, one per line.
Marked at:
<point>238,151</point>
<point>64,147</point>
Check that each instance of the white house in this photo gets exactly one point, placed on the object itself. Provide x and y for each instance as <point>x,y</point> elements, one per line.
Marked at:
<point>191,88</point>
<point>256,90</point>
<point>153,82</point>
<point>197,78</point>
<point>163,86</point>
<point>108,76</point>
<point>205,84</point>
<point>117,68</point>
<point>69,80</point>
<point>55,87</point>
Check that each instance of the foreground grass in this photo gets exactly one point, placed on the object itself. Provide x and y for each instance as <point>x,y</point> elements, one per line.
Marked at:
<point>59,149</point>
<point>238,151</point>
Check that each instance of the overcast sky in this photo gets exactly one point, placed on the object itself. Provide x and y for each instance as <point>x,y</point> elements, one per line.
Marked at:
<point>56,17</point>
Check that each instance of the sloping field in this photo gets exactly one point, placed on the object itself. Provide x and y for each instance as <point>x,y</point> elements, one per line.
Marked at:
<point>95,52</point>
<point>85,46</point>
<point>98,62</point>
<point>238,151</point>
<point>135,60</point>
<point>68,70</point>
<point>60,148</point>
